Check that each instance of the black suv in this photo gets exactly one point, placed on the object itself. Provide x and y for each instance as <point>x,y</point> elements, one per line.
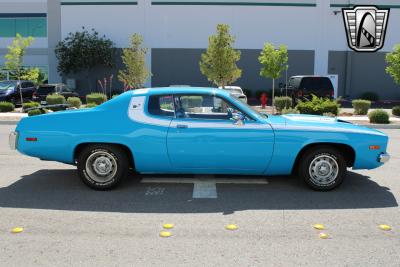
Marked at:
<point>303,86</point>
<point>10,91</point>
<point>47,89</point>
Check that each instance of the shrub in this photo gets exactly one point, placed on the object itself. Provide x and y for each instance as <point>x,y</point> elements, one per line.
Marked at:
<point>378,116</point>
<point>318,106</point>
<point>55,99</point>
<point>290,111</point>
<point>35,112</point>
<point>282,102</point>
<point>396,111</point>
<point>6,106</point>
<point>114,96</point>
<point>91,105</point>
<point>28,105</point>
<point>96,98</point>
<point>74,102</point>
<point>361,106</point>
<point>371,96</point>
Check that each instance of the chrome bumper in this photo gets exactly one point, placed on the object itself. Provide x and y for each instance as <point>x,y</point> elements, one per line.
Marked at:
<point>12,140</point>
<point>384,157</point>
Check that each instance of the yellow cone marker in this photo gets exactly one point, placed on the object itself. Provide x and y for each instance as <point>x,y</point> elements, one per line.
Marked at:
<point>319,226</point>
<point>168,226</point>
<point>385,227</point>
<point>165,234</point>
<point>17,230</point>
<point>323,236</point>
<point>231,227</point>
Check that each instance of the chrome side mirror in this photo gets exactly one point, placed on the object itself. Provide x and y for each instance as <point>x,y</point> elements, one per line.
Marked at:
<point>238,118</point>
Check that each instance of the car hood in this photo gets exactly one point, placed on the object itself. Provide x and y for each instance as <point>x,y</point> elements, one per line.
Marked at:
<point>318,123</point>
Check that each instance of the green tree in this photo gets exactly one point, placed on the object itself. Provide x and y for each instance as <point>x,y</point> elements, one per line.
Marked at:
<point>273,62</point>
<point>15,60</point>
<point>135,73</point>
<point>218,63</point>
<point>393,64</point>
<point>82,51</point>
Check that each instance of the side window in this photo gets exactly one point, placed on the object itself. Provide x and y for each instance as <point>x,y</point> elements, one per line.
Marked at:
<point>203,107</point>
<point>161,105</point>
<point>24,85</point>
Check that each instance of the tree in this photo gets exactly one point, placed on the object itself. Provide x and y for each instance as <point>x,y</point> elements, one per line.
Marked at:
<point>273,62</point>
<point>15,59</point>
<point>218,63</point>
<point>82,51</point>
<point>135,73</point>
<point>393,64</point>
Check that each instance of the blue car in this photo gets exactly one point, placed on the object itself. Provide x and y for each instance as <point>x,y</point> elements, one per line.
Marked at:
<point>11,91</point>
<point>197,131</point>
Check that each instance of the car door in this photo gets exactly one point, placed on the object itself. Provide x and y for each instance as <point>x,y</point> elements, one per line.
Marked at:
<point>202,137</point>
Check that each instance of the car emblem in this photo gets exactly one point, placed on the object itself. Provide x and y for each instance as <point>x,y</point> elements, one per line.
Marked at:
<point>365,27</point>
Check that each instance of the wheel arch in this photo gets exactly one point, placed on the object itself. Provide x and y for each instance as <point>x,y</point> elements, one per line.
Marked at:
<point>346,150</point>
<point>125,148</point>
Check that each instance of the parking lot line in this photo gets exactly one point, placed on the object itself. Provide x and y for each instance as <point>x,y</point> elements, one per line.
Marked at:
<point>203,187</point>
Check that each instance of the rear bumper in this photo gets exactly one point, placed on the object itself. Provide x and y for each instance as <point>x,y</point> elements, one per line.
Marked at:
<point>12,140</point>
<point>384,157</point>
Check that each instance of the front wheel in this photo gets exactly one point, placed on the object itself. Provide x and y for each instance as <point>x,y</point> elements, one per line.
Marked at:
<point>323,168</point>
<point>102,167</point>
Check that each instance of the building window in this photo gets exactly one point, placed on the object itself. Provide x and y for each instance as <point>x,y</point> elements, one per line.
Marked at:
<point>26,26</point>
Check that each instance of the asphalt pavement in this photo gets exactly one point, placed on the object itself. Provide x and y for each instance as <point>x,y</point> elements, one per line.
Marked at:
<point>65,223</point>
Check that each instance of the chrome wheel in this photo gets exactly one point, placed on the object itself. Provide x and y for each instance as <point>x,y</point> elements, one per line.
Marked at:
<point>101,166</point>
<point>323,170</point>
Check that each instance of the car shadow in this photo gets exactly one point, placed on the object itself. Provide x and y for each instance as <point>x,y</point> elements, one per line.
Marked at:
<point>63,190</point>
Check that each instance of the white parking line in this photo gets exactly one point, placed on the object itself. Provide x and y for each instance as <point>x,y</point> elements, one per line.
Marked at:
<point>203,188</point>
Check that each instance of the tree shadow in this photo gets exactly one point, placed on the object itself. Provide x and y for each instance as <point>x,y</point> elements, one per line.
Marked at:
<point>62,190</point>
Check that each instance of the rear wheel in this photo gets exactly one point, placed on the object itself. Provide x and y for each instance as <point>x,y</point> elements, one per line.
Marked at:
<point>323,168</point>
<point>102,167</point>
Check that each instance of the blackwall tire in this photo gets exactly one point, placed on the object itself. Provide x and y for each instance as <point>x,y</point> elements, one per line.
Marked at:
<point>323,168</point>
<point>102,167</point>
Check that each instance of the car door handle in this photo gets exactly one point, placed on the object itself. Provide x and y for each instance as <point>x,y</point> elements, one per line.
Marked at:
<point>181,126</point>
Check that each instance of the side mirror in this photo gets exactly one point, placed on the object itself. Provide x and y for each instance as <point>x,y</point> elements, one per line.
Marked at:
<point>238,118</point>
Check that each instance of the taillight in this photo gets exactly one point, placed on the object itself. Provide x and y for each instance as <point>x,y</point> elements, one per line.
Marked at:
<point>332,94</point>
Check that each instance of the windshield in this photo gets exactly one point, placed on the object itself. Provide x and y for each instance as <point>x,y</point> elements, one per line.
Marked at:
<point>7,85</point>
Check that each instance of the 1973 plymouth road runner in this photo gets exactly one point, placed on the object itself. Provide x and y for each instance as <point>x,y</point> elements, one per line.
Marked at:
<point>197,131</point>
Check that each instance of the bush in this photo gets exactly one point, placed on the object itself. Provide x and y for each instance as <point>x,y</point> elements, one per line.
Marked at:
<point>114,96</point>
<point>35,112</point>
<point>28,105</point>
<point>96,98</point>
<point>55,99</point>
<point>318,106</point>
<point>290,111</point>
<point>91,105</point>
<point>6,106</point>
<point>396,111</point>
<point>378,116</point>
<point>371,96</point>
<point>361,106</point>
<point>74,102</point>
<point>282,102</point>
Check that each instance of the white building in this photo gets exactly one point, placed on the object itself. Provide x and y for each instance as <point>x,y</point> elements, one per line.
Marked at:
<point>176,33</point>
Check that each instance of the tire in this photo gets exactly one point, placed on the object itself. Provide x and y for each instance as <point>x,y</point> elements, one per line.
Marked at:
<point>102,167</point>
<point>323,168</point>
